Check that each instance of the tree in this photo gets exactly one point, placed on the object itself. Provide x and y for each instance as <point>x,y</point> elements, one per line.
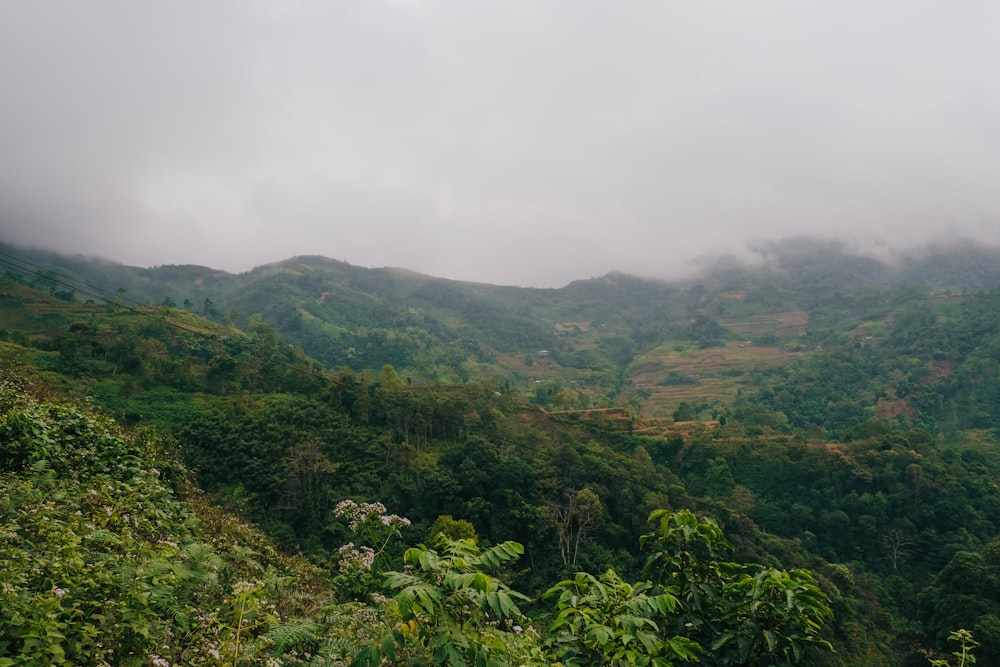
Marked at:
<point>456,529</point>
<point>897,543</point>
<point>152,354</point>
<point>574,517</point>
<point>307,484</point>
<point>606,621</point>
<point>966,593</point>
<point>684,412</point>
<point>208,308</point>
<point>740,614</point>
<point>452,612</point>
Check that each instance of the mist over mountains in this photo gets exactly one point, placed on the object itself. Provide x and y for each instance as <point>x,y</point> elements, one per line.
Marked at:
<point>959,265</point>
<point>340,332</point>
<point>961,262</point>
<point>796,294</point>
<point>630,137</point>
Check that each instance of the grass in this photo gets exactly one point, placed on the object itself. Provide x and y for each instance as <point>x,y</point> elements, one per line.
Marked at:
<point>789,324</point>
<point>715,373</point>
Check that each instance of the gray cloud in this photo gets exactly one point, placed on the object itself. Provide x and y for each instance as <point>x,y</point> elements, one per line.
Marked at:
<point>517,142</point>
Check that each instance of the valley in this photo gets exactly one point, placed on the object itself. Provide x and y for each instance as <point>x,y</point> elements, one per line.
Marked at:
<point>839,427</point>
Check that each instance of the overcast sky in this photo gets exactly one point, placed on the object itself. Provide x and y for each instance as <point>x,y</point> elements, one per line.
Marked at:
<point>527,143</point>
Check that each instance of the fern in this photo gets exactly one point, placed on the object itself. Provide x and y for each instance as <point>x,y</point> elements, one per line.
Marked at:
<point>299,634</point>
<point>331,651</point>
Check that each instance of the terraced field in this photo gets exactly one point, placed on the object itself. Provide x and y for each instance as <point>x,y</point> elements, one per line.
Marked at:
<point>790,324</point>
<point>543,368</point>
<point>675,373</point>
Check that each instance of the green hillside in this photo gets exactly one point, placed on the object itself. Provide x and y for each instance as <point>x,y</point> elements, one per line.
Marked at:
<point>601,342</point>
<point>834,418</point>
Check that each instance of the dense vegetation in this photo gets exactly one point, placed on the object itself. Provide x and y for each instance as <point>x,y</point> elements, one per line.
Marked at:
<point>851,455</point>
<point>103,564</point>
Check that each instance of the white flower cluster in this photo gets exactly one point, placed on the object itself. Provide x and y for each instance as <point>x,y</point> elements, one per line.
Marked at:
<point>355,558</point>
<point>359,514</point>
<point>245,588</point>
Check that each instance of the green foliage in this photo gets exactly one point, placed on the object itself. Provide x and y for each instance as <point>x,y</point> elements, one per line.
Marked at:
<point>606,621</point>
<point>739,613</point>
<point>102,564</point>
<point>72,444</point>
<point>684,412</point>
<point>464,452</point>
<point>866,452</point>
<point>964,653</point>
<point>966,593</point>
<point>360,566</point>
<point>453,612</point>
<point>707,332</point>
<point>454,528</point>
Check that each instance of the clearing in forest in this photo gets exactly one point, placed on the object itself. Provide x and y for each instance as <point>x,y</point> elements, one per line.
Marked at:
<point>675,372</point>
<point>789,324</point>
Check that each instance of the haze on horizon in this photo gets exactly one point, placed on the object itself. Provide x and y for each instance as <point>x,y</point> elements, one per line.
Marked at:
<point>525,143</point>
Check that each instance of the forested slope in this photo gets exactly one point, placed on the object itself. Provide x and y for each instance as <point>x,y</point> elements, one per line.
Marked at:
<point>841,422</point>
<point>597,342</point>
<point>111,557</point>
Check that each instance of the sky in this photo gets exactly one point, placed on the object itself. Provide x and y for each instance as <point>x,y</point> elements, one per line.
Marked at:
<point>517,142</point>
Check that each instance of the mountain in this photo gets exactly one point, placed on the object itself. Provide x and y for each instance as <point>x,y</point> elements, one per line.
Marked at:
<point>617,339</point>
<point>832,413</point>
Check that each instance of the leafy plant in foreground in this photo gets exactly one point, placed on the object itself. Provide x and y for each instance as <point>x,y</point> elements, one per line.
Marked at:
<point>740,614</point>
<point>964,653</point>
<point>101,563</point>
<point>452,612</point>
<point>606,621</point>
<point>359,565</point>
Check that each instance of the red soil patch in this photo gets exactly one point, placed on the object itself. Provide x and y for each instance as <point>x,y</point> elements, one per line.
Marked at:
<point>941,369</point>
<point>894,408</point>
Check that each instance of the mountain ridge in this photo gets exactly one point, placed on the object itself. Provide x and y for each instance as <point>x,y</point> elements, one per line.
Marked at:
<point>829,420</point>
<point>616,338</point>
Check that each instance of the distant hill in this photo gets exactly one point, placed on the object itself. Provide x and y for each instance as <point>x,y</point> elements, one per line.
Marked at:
<point>834,412</point>
<point>607,340</point>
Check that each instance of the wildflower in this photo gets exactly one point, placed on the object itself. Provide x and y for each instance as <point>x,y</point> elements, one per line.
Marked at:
<point>244,587</point>
<point>394,520</point>
<point>355,558</point>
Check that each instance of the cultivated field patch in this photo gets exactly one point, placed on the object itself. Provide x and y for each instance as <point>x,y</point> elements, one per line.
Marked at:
<point>789,324</point>
<point>674,373</point>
